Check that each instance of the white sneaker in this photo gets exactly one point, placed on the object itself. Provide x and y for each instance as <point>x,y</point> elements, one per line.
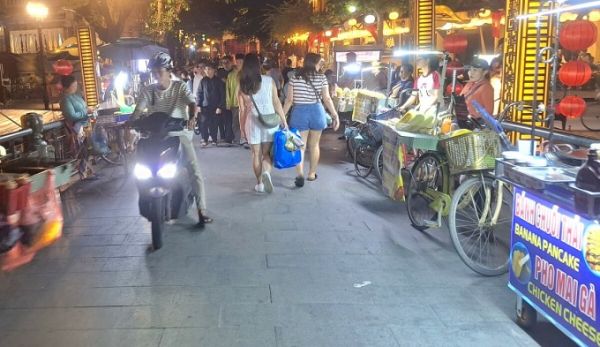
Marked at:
<point>267,182</point>
<point>259,188</point>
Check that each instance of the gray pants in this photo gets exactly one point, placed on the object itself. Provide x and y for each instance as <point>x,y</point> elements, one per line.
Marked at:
<point>235,124</point>
<point>196,175</point>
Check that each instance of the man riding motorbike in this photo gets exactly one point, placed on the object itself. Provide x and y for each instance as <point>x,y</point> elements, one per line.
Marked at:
<point>174,98</point>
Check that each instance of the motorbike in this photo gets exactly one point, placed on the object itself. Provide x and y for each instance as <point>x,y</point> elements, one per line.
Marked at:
<point>161,173</point>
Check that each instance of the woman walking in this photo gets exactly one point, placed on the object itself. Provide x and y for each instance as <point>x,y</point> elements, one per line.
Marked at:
<point>257,95</point>
<point>307,93</point>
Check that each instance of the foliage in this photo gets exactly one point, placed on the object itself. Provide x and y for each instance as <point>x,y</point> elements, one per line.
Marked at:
<point>470,5</point>
<point>163,15</point>
<point>287,18</point>
<point>336,11</point>
<point>107,17</point>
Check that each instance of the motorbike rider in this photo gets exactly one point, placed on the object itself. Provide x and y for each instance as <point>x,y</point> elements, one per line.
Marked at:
<point>175,98</point>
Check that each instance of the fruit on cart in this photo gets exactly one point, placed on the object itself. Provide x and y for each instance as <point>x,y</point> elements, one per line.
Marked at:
<point>459,132</point>
<point>416,122</point>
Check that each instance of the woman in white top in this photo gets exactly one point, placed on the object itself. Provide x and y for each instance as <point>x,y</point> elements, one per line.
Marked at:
<point>260,89</point>
<point>305,92</point>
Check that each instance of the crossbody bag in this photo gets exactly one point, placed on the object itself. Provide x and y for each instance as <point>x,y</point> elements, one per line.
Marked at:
<point>460,104</point>
<point>269,120</point>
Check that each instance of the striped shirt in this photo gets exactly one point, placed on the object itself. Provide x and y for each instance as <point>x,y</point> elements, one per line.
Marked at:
<point>305,93</point>
<point>173,100</point>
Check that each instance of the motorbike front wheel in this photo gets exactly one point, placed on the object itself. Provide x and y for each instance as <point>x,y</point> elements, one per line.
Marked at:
<point>158,223</point>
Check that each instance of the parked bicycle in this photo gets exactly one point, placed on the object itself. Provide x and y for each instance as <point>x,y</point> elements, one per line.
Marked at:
<point>458,183</point>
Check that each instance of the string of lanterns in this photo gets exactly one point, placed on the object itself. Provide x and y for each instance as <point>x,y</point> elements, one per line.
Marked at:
<point>575,36</point>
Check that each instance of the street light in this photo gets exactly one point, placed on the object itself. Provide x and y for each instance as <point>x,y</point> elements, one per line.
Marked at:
<point>39,12</point>
<point>352,8</point>
<point>369,19</point>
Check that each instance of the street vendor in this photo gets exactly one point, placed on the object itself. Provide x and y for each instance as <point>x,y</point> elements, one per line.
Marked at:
<point>72,105</point>
<point>478,88</point>
<point>428,85</point>
<point>405,82</point>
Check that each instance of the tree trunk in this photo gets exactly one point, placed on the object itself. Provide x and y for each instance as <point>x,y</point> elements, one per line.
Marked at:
<point>380,26</point>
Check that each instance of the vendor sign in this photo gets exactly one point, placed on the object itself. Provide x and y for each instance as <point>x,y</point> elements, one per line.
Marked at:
<point>366,103</point>
<point>555,264</point>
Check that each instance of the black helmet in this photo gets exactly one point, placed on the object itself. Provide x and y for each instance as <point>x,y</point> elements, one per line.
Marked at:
<point>161,60</point>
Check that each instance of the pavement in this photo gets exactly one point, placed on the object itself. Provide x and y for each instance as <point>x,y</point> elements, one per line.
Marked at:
<point>335,263</point>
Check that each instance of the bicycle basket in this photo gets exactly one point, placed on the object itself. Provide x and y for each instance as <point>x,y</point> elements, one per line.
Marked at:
<point>474,151</point>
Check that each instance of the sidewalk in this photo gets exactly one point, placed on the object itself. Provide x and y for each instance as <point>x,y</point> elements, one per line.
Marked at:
<point>273,270</point>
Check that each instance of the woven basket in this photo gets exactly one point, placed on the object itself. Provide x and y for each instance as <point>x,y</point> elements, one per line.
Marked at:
<point>472,152</point>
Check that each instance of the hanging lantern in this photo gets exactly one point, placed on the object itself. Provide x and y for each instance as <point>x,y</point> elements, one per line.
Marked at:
<point>572,106</point>
<point>575,73</point>
<point>455,43</point>
<point>578,35</point>
<point>63,67</point>
<point>457,89</point>
<point>454,66</point>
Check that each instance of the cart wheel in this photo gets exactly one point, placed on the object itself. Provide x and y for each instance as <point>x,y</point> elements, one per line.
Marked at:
<point>526,314</point>
<point>378,163</point>
<point>429,173</point>
<point>363,159</point>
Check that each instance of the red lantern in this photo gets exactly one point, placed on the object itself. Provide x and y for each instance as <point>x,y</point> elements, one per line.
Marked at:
<point>455,43</point>
<point>63,67</point>
<point>457,89</point>
<point>575,73</point>
<point>572,106</point>
<point>578,35</point>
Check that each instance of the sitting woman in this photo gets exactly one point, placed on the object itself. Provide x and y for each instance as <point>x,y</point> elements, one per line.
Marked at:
<point>478,88</point>
<point>75,113</point>
<point>428,86</point>
<point>72,105</point>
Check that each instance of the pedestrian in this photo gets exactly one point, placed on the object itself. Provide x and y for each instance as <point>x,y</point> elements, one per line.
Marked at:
<point>194,83</point>
<point>175,98</point>
<point>307,93</point>
<point>285,72</point>
<point>232,105</point>
<point>211,99</point>
<point>258,95</point>
<point>272,69</point>
<point>226,67</point>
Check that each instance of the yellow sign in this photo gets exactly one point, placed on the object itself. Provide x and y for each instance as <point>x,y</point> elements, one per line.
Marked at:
<point>87,56</point>
<point>520,51</point>
<point>424,18</point>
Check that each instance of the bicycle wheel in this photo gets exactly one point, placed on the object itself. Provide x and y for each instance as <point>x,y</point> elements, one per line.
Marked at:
<point>428,175</point>
<point>591,121</point>
<point>484,246</point>
<point>363,159</point>
<point>378,163</point>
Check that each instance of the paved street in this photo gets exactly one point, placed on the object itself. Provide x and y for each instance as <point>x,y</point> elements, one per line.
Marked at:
<point>276,270</point>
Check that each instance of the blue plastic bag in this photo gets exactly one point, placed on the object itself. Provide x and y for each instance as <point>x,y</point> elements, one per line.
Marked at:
<point>286,154</point>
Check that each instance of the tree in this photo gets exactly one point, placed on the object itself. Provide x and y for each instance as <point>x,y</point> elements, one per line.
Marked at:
<point>107,17</point>
<point>283,20</point>
<point>337,11</point>
<point>163,16</point>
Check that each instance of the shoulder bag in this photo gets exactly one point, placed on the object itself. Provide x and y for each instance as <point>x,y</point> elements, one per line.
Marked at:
<point>328,118</point>
<point>270,120</point>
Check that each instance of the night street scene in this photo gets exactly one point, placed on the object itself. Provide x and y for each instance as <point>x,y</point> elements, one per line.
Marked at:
<point>294,173</point>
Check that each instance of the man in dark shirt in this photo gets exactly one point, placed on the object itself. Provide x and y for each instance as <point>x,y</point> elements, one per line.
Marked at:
<point>211,100</point>
<point>288,67</point>
<point>404,83</point>
<point>226,67</point>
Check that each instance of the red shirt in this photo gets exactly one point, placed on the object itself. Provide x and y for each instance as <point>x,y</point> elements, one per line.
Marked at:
<point>483,93</point>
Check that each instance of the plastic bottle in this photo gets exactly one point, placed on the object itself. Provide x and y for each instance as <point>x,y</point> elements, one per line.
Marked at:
<point>588,177</point>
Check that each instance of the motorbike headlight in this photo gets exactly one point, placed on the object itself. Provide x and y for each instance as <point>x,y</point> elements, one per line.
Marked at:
<point>168,171</point>
<point>142,172</point>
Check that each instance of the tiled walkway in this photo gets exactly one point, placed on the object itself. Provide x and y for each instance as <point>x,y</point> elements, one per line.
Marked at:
<point>275,270</point>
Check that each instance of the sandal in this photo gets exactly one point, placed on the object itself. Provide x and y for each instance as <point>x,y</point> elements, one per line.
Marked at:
<point>299,182</point>
<point>313,179</point>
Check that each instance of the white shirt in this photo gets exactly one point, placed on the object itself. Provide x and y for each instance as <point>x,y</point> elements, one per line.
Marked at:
<point>196,84</point>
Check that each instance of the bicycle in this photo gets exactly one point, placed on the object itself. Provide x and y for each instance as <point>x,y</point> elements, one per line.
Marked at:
<point>120,146</point>
<point>478,210</point>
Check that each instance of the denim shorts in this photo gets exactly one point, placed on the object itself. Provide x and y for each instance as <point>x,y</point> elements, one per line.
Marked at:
<point>308,117</point>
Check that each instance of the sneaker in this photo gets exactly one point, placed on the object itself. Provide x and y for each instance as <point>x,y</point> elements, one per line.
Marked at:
<point>267,182</point>
<point>259,188</point>
<point>214,144</point>
<point>204,144</point>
